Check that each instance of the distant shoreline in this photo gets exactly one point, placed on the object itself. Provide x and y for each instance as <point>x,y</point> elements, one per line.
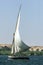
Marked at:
<point>32,48</point>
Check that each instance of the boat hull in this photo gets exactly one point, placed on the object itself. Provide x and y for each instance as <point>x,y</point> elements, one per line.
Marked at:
<point>17,57</point>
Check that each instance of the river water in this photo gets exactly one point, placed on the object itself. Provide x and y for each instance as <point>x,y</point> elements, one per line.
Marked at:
<point>34,60</point>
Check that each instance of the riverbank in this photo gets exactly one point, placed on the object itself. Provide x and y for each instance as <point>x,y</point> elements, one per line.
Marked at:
<point>7,51</point>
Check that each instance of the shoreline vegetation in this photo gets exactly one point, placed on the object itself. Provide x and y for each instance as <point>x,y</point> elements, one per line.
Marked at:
<point>7,51</point>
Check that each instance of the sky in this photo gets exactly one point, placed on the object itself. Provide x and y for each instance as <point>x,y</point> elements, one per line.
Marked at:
<point>31,23</point>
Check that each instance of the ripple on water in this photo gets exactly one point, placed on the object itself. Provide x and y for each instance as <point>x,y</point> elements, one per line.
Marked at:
<point>34,60</point>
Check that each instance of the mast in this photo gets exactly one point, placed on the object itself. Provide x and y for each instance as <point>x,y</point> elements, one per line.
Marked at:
<point>12,49</point>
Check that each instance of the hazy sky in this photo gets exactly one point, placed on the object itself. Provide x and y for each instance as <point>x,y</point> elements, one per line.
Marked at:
<point>31,24</point>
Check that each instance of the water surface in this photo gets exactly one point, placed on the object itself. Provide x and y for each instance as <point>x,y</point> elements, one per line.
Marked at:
<point>34,60</point>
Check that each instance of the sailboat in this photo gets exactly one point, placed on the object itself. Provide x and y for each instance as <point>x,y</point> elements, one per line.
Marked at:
<point>18,45</point>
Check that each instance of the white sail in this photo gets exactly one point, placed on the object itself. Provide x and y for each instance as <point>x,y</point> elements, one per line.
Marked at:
<point>19,45</point>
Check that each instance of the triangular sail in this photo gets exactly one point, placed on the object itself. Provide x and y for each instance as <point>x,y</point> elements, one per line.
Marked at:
<point>19,45</point>
<point>18,20</point>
